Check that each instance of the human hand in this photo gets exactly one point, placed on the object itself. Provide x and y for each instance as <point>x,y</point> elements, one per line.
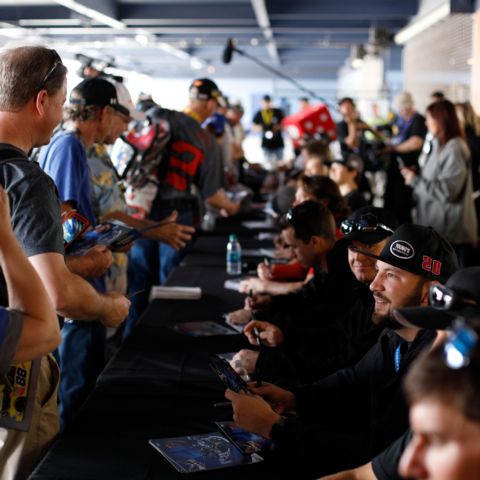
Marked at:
<point>116,309</point>
<point>172,233</point>
<point>93,264</point>
<point>239,317</point>
<point>264,271</point>
<point>258,301</point>
<point>252,413</point>
<point>270,335</point>
<point>232,208</point>
<point>255,284</point>
<point>408,175</point>
<point>244,361</point>
<point>281,400</point>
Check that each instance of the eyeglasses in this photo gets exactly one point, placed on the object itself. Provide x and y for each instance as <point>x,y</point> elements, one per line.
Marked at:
<point>459,346</point>
<point>365,224</point>
<point>56,62</point>
<point>444,298</point>
<point>74,225</point>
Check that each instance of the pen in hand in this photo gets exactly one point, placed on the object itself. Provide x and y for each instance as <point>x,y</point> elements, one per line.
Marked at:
<point>132,294</point>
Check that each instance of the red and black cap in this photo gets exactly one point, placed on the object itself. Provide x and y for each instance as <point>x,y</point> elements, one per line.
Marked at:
<point>459,298</point>
<point>97,91</point>
<point>419,250</point>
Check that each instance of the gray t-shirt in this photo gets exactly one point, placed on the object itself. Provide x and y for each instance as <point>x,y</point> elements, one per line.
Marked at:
<point>34,206</point>
<point>11,323</point>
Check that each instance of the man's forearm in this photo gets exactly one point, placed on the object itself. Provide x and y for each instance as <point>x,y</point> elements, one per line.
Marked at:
<point>221,201</point>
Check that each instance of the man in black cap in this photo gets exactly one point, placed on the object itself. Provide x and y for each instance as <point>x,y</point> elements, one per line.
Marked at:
<point>93,104</point>
<point>455,303</point>
<point>327,324</point>
<point>268,120</point>
<point>355,413</point>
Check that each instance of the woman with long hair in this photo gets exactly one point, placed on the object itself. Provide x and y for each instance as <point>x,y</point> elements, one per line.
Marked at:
<point>443,189</point>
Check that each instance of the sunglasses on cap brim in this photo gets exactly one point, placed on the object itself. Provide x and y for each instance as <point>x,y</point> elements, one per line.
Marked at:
<point>444,298</point>
<point>363,226</point>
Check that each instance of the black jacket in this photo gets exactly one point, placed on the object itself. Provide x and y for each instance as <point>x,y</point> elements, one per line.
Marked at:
<point>349,417</point>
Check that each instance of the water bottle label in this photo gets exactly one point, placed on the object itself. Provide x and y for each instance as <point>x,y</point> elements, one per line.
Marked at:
<point>233,257</point>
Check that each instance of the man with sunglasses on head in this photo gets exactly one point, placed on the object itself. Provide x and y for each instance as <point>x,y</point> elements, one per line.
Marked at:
<point>454,306</point>
<point>32,94</point>
<point>350,416</point>
<point>334,329</point>
<point>93,107</point>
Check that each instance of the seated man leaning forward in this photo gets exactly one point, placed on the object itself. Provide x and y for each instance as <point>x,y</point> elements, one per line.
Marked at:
<point>353,414</point>
<point>338,330</point>
<point>452,306</point>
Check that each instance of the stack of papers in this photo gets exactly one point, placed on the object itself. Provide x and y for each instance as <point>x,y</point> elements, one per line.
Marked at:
<point>175,293</point>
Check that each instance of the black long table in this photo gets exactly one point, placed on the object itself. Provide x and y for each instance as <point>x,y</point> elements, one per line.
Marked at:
<point>158,385</point>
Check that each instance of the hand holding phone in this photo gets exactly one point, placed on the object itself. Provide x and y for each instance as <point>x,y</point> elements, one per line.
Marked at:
<point>228,375</point>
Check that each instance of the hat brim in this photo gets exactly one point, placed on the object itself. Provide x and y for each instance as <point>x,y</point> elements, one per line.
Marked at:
<point>433,318</point>
<point>120,108</point>
<point>397,264</point>
<point>424,317</point>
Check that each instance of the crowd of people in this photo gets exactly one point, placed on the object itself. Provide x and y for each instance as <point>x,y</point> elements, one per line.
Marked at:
<point>357,325</point>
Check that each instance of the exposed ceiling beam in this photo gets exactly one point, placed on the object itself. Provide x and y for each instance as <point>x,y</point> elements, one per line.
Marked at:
<point>263,21</point>
<point>102,13</point>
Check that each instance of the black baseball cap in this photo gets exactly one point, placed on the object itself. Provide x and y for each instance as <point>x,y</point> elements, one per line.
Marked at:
<point>97,91</point>
<point>419,250</point>
<point>350,160</point>
<point>204,89</point>
<point>369,225</point>
<point>466,284</point>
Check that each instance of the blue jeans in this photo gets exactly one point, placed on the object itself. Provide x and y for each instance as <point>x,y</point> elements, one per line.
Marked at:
<point>82,357</point>
<point>150,262</point>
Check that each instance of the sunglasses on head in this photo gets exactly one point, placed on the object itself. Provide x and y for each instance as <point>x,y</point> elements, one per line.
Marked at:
<point>365,224</point>
<point>458,348</point>
<point>444,298</point>
<point>56,62</point>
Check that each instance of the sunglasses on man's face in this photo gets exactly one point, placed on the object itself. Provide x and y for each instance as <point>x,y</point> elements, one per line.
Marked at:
<point>366,224</point>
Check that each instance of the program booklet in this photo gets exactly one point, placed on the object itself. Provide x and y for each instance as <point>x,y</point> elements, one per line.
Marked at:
<point>202,329</point>
<point>195,453</point>
<point>246,441</point>
<point>112,235</point>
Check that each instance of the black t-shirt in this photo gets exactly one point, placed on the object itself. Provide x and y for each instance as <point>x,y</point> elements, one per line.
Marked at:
<point>34,206</point>
<point>416,129</point>
<point>385,465</point>
<point>342,131</point>
<point>355,200</point>
<point>271,139</point>
<point>193,157</point>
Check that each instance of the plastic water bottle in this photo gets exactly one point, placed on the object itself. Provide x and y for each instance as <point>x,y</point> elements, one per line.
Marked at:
<point>234,256</point>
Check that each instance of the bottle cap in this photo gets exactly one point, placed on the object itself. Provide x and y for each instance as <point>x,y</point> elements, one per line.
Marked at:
<point>232,237</point>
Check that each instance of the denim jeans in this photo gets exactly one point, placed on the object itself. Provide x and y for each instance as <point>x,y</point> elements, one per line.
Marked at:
<point>150,263</point>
